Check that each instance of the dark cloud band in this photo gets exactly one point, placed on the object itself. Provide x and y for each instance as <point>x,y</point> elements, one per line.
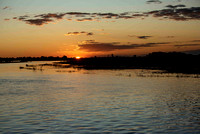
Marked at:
<point>79,33</point>
<point>177,13</point>
<point>141,37</point>
<point>93,46</point>
<point>154,1</point>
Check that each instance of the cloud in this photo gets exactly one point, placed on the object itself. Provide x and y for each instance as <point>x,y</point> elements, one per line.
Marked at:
<point>78,14</point>
<point>154,1</point>
<point>180,14</point>
<point>6,19</point>
<point>144,37</point>
<point>140,37</point>
<point>6,7</point>
<point>89,34</point>
<point>42,19</point>
<point>170,36</point>
<point>22,17</point>
<point>38,22</point>
<point>187,45</point>
<point>93,46</point>
<point>79,33</point>
<point>85,19</point>
<point>72,33</point>
<point>176,6</point>
<point>176,12</point>
<point>51,15</point>
<point>195,41</point>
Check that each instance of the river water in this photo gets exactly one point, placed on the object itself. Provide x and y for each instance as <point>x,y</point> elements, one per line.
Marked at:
<point>96,101</point>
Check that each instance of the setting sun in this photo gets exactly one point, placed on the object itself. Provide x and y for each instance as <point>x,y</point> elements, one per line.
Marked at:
<point>78,57</point>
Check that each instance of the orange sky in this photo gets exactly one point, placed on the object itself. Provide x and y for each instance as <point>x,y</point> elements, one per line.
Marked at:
<point>92,27</point>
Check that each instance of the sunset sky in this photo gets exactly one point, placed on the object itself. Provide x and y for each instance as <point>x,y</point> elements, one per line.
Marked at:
<point>98,27</point>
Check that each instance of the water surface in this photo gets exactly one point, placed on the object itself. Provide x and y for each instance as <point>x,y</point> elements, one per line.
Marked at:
<point>97,101</point>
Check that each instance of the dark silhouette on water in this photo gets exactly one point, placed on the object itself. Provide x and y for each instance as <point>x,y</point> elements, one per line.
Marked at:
<point>26,59</point>
<point>171,62</point>
<point>174,62</point>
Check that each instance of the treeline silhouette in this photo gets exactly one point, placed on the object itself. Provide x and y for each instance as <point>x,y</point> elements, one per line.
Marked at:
<point>26,59</point>
<point>171,62</point>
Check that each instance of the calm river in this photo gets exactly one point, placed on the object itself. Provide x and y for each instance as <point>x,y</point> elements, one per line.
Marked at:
<point>67,101</point>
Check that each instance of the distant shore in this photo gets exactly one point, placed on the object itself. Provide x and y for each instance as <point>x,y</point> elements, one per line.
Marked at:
<point>27,59</point>
<point>172,62</point>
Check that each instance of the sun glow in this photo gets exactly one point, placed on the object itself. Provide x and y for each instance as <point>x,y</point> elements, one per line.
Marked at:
<point>78,57</point>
